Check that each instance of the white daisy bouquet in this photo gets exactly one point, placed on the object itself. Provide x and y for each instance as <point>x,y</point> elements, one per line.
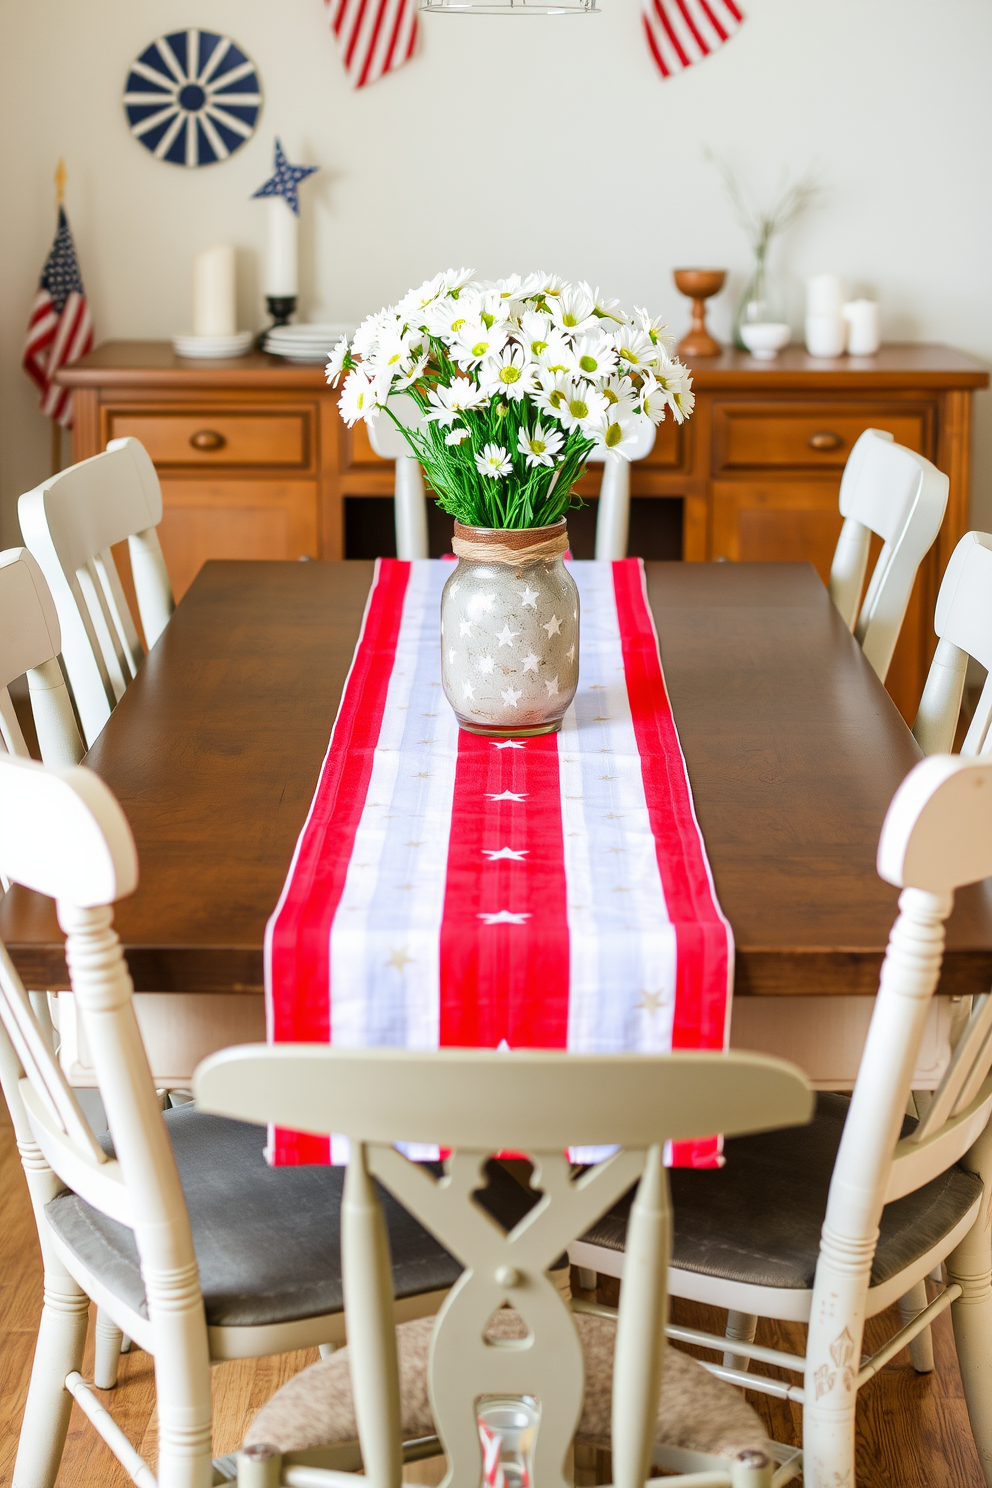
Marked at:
<point>515,383</point>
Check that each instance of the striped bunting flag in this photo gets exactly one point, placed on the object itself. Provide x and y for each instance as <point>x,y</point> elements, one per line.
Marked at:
<point>681,32</point>
<point>60,330</point>
<point>374,36</point>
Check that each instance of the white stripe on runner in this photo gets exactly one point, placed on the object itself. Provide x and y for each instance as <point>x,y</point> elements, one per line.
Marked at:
<point>623,949</point>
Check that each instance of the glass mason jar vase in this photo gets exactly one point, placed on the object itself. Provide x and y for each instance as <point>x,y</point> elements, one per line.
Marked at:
<point>510,631</point>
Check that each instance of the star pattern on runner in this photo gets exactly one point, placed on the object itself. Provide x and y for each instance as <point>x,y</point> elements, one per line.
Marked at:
<point>398,957</point>
<point>507,795</point>
<point>504,917</point>
<point>510,853</point>
<point>651,1002</point>
<point>507,744</point>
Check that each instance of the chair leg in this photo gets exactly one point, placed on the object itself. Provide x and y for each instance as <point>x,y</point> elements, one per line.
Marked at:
<point>259,1467</point>
<point>109,1346</point>
<point>58,1352</point>
<point>970,1265</point>
<point>752,1469</point>
<point>741,1328</point>
<point>921,1348</point>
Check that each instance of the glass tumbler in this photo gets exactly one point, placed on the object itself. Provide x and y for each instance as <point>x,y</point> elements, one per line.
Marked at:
<point>507,1428</point>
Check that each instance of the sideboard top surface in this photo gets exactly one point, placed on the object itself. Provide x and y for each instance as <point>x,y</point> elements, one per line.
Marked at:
<point>133,364</point>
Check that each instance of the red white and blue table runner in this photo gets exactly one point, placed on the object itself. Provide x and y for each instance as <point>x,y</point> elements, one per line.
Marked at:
<point>551,892</point>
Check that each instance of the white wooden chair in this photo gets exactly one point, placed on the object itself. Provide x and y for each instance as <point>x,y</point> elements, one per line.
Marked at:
<point>410,500</point>
<point>963,622</point>
<point>30,642</point>
<point>70,523</point>
<point>892,1198</point>
<point>901,497</point>
<point>173,1223</point>
<point>478,1103</point>
<point>613,511</point>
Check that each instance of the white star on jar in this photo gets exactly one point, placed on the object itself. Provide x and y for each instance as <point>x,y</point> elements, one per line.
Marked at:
<point>485,663</point>
<point>552,687</point>
<point>506,636</point>
<point>510,697</point>
<point>465,628</point>
<point>467,690</point>
<point>531,663</point>
<point>528,597</point>
<point>553,627</point>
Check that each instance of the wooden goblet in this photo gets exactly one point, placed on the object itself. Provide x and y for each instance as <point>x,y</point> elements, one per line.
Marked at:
<point>699,285</point>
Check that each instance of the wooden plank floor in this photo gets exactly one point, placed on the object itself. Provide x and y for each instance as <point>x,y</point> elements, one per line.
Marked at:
<point>913,1429</point>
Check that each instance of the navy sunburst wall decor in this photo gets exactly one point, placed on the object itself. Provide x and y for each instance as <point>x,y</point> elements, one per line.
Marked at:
<point>192,98</point>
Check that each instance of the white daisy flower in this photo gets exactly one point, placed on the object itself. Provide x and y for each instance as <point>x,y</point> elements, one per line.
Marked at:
<point>413,368</point>
<point>448,403</point>
<point>621,396</point>
<point>614,435</point>
<point>357,400</point>
<point>607,309</point>
<point>544,286</point>
<point>550,392</point>
<point>557,356</point>
<point>654,400</point>
<point>656,329</point>
<point>458,435</point>
<point>368,333</point>
<point>573,309</point>
<point>456,279</point>
<point>336,361</point>
<point>416,300</point>
<point>535,329</point>
<point>540,446</point>
<point>446,317</point>
<point>635,349</point>
<point>593,357</point>
<point>494,461</point>
<point>508,373</point>
<point>677,383</point>
<point>582,407</point>
<point>476,341</point>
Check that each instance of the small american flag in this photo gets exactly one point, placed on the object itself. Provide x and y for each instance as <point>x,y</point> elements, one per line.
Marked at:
<point>681,32</point>
<point>374,36</point>
<point>60,330</point>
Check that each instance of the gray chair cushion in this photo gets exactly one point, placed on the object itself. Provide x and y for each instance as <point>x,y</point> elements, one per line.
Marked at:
<point>696,1411</point>
<point>267,1240</point>
<point>758,1219</point>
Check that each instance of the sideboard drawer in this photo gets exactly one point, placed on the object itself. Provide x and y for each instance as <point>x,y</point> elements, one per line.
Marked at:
<point>203,438</point>
<point>804,437</point>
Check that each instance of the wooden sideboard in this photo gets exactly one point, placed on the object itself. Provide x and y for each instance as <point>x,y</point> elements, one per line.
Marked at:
<point>255,462</point>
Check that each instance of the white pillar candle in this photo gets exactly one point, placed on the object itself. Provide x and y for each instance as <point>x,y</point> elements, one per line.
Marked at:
<point>825,335</point>
<point>824,294</point>
<point>281,249</point>
<point>214,307</point>
<point>864,331</point>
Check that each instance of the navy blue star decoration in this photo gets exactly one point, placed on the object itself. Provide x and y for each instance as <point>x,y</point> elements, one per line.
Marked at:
<point>285,180</point>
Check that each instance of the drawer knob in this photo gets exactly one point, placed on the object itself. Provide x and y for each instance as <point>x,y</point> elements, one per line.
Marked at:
<point>825,440</point>
<point>207,439</point>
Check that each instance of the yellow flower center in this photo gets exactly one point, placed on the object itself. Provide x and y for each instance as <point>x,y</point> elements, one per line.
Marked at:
<point>487,320</point>
<point>538,346</point>
<point>394,358</point>
<point>610,395</point>
<point>538,446</point>
<point>509,374</point>
<point>480,348</point>
<point>569,319</point>
<point>456,325</point>
<point>578,409</point>
<point>614,434</point>
<point>556,399</point>
<point>588,363</point>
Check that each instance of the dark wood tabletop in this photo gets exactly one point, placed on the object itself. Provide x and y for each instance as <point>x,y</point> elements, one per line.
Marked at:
<point>794,750</point>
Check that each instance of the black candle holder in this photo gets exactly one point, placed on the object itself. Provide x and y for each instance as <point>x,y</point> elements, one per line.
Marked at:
<point>280,307</point>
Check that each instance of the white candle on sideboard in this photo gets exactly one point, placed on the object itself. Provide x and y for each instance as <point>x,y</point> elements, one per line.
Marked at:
<point>824,294</point>
<point>281,249</point>
<point>214,306</point>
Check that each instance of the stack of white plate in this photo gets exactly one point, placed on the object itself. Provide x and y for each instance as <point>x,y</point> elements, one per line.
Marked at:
<point>306,343</point>
<point>188,345</point>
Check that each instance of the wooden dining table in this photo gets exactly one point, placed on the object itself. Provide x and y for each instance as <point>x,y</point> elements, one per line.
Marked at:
<point>793,749</point>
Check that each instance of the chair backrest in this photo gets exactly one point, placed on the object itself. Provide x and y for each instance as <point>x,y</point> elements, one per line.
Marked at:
<point>937,836</point>
<point>63,834</point>
<point>30,642</point>
<point>613,510</point>
<point>963,623</point>
<point>477,1103</point>
<point>70,523</point>
<point>901,497</point>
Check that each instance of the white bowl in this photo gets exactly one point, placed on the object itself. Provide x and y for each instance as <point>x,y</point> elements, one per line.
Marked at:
<point>765,339</point>
<point>218,347</point>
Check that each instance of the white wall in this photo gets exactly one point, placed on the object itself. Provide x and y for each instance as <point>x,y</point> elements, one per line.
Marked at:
<point>508,144</point>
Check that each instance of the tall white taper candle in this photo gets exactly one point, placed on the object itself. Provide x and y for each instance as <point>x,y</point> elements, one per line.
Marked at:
<point>214,306</point>
<point>283,228</point>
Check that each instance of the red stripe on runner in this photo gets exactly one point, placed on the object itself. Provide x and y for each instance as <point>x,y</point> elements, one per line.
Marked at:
<point>700,930</point>
<point>300,933</point>
<point>505,981</point>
